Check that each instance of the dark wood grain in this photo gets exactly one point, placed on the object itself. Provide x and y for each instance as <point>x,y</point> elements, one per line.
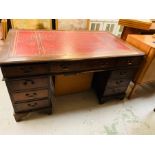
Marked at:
<point>32,105</point>
<point>23,70</point>
<point>21,84</point>
<point>30,95</point>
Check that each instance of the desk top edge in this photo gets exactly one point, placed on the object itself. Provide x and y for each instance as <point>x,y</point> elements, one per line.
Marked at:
<point>4,59</point>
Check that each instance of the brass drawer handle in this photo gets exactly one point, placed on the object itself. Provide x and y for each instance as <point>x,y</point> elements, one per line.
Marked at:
<point>129,62</point>
<point>32,104</point>
<point>26,70</point>
<point>64,67</point>
<point>28,81</point>
<point>104,64</point>
<point>30,95</point>
<point>118,82</point>
<point>123,73</point>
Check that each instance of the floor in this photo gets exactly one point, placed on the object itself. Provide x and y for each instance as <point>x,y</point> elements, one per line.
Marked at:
<point>81,114</point>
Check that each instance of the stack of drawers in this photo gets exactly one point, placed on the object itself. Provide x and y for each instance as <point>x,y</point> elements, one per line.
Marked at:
<point>118,82</point>
<point>29,88</point>
<point>114,83</point>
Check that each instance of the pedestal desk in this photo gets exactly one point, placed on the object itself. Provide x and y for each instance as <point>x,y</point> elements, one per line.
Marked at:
<point>30,60</point>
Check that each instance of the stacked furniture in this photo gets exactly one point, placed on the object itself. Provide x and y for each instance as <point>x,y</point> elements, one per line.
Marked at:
<point>132,26</point>
<point>146,74</point>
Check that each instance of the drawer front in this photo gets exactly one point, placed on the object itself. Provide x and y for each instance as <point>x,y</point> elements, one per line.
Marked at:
<point>24,70</point>
<point>28,83</point>
<point>27,106</point>
<point>123,74</point>
<point>117,83</point>
<point>131,61</point>
<point>112,91</point>
<point>70,66</point>
<point>30,95</point>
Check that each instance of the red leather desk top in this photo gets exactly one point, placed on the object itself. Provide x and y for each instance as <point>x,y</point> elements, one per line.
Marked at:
<point>27,45</point>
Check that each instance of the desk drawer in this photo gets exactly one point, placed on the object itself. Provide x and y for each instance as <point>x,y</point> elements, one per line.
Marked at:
<point>122,74</point>
<point>27,106</point>
<point>117,83</point>
<point>30,95</point>
<point>24,70</point>
<point>70,66</point>
<point>28,83</point>
<point>130,61</point>
<point>112,91</point>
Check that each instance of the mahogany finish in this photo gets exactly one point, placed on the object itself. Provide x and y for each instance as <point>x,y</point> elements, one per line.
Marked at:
<point>32,105</point>
<point>24,83</point>
<point>30,59</point>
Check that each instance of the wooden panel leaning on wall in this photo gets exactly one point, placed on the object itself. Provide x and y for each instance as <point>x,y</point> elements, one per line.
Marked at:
<point>132,26</point>
<point>146,73</point>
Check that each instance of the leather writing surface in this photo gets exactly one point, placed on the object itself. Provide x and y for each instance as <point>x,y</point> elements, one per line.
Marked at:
<point>29,43</point>
<point>25,44</point>
<point>41,45</point>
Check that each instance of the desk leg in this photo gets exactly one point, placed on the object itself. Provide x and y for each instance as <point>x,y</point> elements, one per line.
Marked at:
<point>20,116</point>
<point>104,99</point>
<point>47,111</point>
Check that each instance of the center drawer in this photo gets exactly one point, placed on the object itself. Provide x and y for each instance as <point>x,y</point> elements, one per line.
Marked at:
<point>30,95</point>
<point>27,106</point>
<point>28,83</point>
<point>71,66</point>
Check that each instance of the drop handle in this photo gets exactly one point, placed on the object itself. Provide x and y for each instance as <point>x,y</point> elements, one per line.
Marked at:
<point>32,104</point>
<point>63,66</point>
<point>129,62</point>
<point>31,95</point>
<point>26,70</point>
<point>118,82</point>
<point>104,64</point>
<point>123,73</point>
<point>28,81</point>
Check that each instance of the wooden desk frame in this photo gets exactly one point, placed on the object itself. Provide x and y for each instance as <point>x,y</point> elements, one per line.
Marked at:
<point>30,79</point>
